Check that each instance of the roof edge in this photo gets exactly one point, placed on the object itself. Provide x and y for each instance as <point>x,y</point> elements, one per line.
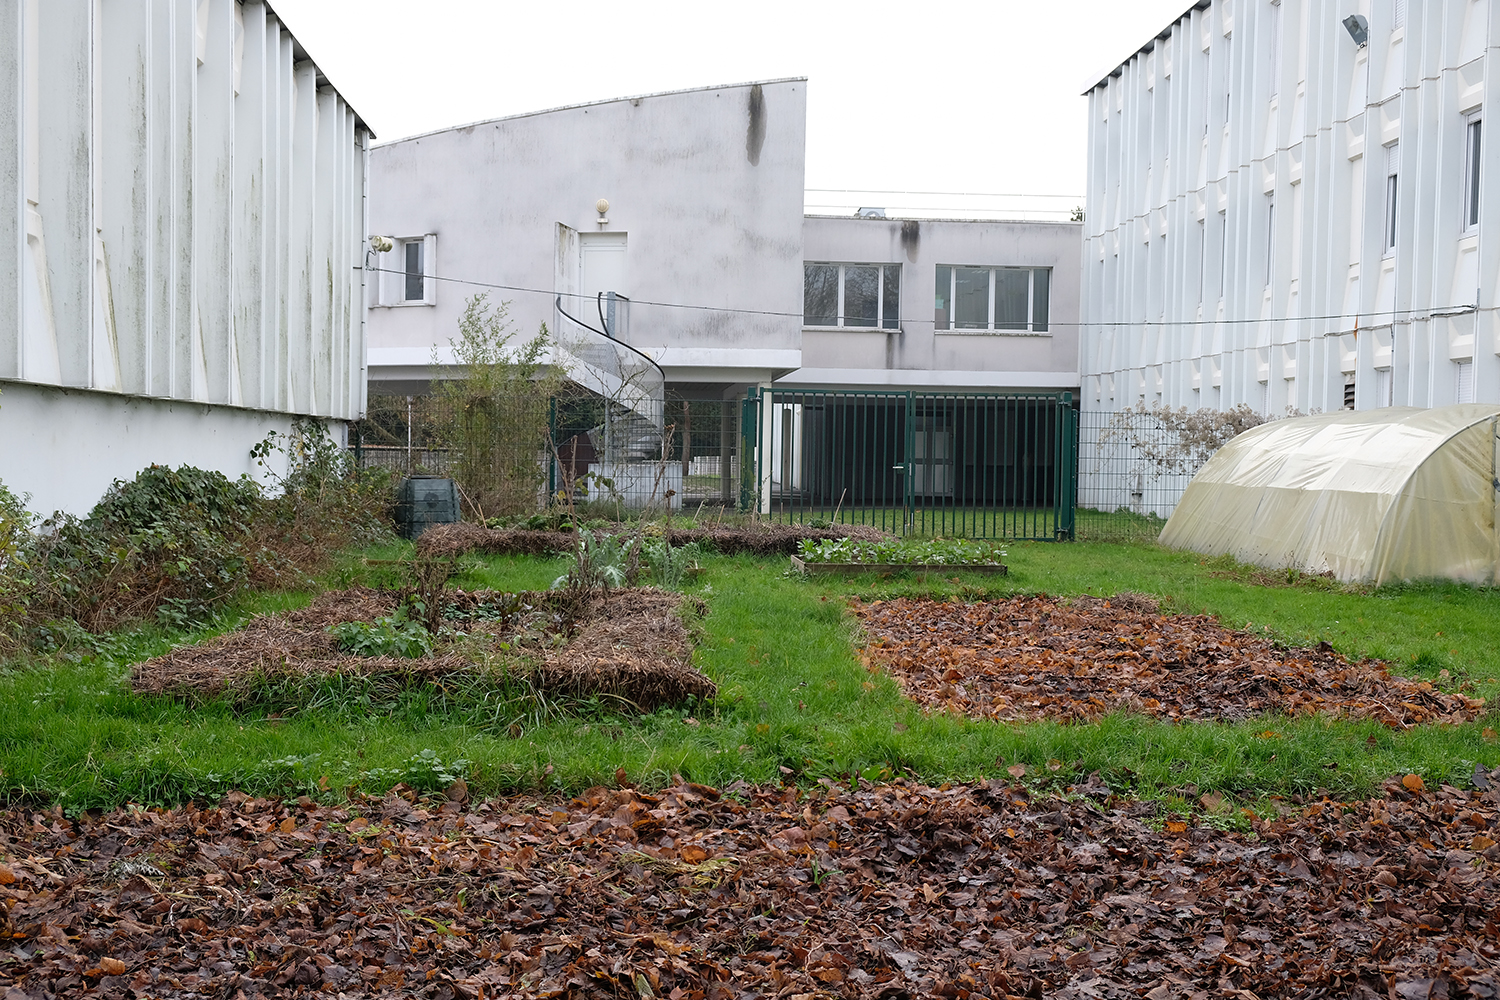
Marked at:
<point>595,104</point>
<point>300,51</point>
<point>1151,44</point>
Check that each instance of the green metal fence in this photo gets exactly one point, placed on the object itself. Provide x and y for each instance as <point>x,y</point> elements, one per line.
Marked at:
<point>909,462</point>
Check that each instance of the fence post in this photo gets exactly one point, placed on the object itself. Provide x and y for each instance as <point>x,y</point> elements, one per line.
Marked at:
<point>749,440</point>
<point>551,449</point>
<point>909,487</point>
<point>1066,476</point>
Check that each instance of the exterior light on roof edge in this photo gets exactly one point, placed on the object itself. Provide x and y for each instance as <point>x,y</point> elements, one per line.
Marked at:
<point>1358,28</point>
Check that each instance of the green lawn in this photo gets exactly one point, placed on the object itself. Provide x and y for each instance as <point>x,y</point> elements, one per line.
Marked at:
<point>795,702</point>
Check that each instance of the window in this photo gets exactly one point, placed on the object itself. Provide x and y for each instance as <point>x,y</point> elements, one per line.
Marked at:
<point>1349,392</point>
<point>406,273</point>
<point>414,287</point>
<point>861,296</point>
<point>993,299</point>
<point>1391,160</point>
<point>1465,393</point>
<point>1471,174</point>
<point>1270,238</point>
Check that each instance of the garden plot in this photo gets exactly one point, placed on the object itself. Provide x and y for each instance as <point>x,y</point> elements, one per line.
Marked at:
<point>979,890</point>
<point>1031,658</point>
<point>630,644</point>
<point>760,538</point>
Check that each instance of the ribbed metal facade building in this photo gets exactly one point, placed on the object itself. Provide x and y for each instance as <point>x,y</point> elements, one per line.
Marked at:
<point>182,222</point>
<point>1288,210</point>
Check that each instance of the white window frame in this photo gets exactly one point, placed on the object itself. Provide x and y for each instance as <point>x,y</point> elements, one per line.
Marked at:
<point>1463,387</point>
<point>879,327</point>
<point>1473,169</point>
<point>393,272</point>
<point>989,328</point>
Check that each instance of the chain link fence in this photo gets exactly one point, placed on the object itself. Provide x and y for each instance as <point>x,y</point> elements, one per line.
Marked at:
<point>514,455</point>
<point>1131,474</point>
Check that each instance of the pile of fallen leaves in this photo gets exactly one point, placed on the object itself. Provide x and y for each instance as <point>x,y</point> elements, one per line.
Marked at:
<point>630,644</point>
<point>449,540</point>
<point>1036,657</point>
<point>886,892</point>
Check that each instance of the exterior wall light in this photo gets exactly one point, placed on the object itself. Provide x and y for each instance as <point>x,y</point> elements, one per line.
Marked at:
<point>602,206</point>
<point>382,244</point>
<point>1358,28</point>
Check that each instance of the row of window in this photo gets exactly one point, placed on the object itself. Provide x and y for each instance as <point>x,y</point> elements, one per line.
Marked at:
<point>982,299</point>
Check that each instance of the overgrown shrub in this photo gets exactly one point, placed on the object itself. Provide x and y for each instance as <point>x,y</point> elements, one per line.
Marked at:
<point>174,543</point>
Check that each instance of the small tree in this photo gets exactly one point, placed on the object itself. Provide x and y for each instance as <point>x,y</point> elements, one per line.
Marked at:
<point>494,416</point>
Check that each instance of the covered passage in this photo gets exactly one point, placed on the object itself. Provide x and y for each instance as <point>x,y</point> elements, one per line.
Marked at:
<point>1377,496</point>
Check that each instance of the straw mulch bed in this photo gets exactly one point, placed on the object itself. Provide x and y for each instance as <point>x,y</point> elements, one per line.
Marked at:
<point>449,540</point>
<point>629,644</point>
<point>1030,658</point>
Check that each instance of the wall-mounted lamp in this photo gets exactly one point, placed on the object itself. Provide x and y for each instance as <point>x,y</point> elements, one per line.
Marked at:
<point>1358,28</point>
<point>602,206</point>
<point>382,244</point>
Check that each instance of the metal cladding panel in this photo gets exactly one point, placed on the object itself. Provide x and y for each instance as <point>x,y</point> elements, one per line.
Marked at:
<point>12,225</point>
<point>184,207</point>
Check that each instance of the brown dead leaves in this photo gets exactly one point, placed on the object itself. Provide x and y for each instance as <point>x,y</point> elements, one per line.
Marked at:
<point>895,891</point>
<point>1036,657</point>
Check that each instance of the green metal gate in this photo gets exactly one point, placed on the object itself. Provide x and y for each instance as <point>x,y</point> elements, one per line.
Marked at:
<point>969,465</point>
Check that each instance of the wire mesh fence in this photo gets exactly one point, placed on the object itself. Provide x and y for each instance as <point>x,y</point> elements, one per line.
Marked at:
<point>518,455</point>
<point>1131,473</point>
<point>972,466</point>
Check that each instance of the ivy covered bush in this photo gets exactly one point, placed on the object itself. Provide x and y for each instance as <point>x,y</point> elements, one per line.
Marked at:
<point>174,543</point>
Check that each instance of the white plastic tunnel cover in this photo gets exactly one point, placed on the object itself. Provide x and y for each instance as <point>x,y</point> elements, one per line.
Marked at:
<point>1373,496</point>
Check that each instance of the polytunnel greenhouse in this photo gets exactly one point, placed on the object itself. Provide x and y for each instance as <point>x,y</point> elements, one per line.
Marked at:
<point>1373,496</point>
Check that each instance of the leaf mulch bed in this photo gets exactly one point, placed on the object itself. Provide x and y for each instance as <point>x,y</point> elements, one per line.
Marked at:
<point>450,540</point>
<point>631,643</point>
<point>889,892</point>
<point>1030,658</point>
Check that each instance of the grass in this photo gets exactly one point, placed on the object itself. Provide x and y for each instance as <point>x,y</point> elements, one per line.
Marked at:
<point>795,702</point>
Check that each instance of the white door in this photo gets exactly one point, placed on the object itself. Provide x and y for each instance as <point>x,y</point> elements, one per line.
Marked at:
<point>602,268</point>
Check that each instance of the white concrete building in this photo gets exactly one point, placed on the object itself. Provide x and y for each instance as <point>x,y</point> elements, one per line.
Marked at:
<point>1003,298</point>
<point>702,231</point>
<point>1287,207</point>
<point>180,244</point>
<point>704,236</point>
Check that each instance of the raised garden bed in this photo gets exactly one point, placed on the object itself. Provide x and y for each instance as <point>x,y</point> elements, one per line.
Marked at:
<point>1032,658</point>
<point>444,541</point>
<point>630,644</point>
<point>848,556</point>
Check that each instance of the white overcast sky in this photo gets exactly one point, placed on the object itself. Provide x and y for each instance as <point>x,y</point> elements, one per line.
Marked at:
<point>958,96</point>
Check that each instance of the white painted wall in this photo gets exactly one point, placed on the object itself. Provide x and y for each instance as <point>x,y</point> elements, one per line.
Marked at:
<point>80,441</point>
<point>704,185</point>
<point>918,355</point>
<point>182,220</point>
<point>1236,208</point>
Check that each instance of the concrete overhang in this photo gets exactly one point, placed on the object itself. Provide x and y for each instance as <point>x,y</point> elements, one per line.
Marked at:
<point>915,378</point>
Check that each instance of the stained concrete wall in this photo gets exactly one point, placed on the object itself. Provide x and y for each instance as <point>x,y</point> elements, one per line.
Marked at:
<point>182,219</point>
<point>706,186</point>
<point>918,355</point>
